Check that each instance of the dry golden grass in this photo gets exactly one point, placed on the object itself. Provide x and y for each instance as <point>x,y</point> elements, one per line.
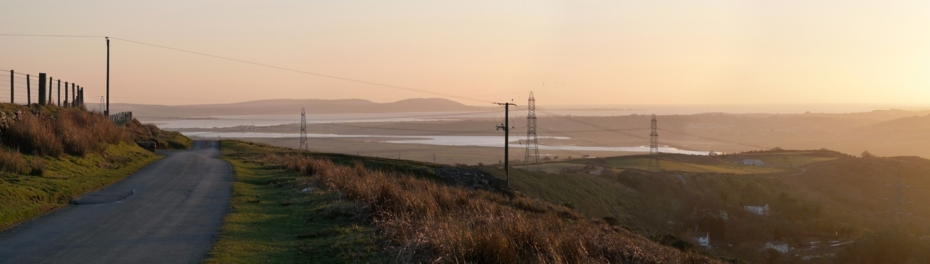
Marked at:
<point>426,221</point>
<point>12,161</point>
<point>69,130</point>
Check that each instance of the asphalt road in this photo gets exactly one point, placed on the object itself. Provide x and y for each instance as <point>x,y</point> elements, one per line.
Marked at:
<point>168,212</point>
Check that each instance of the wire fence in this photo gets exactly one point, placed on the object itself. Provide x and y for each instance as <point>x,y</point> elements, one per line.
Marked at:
<point>39,89</point>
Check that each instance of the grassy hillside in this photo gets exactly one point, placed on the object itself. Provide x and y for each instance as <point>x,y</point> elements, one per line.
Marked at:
<point>813,195</point>
<point>416,217</point>
<point>51,155</point>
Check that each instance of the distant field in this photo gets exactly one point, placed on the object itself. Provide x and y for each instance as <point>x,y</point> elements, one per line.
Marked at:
<point>449,155</point>
<point>641,162</point>
<point>786,159</point>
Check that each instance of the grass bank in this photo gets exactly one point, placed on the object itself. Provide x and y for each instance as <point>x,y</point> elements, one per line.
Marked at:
<point>51,155</point>
<point>23,196</point>
<point>273,220</point>
<point>408,217</point>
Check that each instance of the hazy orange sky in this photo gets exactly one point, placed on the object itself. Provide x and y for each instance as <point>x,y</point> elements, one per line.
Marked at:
<point>598,52</point>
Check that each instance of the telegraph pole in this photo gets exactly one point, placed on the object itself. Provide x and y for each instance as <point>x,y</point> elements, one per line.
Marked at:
<point>303,130</point>
<point>108,77</point>
<point>506,127</point>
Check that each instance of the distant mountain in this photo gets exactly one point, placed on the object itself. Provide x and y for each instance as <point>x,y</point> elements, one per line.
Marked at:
<point>291,106</point>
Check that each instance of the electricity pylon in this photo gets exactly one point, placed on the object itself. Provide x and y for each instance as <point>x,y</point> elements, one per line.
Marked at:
<point>532,145</point>
<point>654,147</point>
<point>899,200</point>
<point>303,130</point>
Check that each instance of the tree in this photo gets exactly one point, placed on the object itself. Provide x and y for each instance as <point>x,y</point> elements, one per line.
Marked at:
<point>867,154</point>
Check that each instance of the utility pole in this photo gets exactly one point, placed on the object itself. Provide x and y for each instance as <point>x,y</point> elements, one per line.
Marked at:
<point>532,145</point>
<point>506,127</point>
<point>303,130</point>
<point>654,147</point>
<point>107,113</point>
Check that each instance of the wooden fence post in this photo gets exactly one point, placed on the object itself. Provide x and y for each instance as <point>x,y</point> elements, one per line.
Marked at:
<point>49,101</point>
<point>41,88</point>
<point>59,92</point>
<point>66,94</point>
<point>73,93</point>
<point>11,86</point>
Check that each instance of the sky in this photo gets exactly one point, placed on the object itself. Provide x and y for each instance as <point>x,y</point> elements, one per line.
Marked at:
<point>478,52</point>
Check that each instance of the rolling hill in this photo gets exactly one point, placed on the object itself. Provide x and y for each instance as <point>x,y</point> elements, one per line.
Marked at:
<point>290,106</point>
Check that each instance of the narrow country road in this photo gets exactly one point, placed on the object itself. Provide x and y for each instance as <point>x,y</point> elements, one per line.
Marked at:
<point>168,212</point>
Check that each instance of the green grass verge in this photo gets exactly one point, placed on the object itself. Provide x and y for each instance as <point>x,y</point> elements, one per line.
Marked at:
<point>23,197</point>
<point>271,221</point>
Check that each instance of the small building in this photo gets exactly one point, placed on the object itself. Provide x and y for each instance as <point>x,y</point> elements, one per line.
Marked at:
<point>752,162</point>
<point>704,241</point>
<point>778,246</point>
<point>759,210</point>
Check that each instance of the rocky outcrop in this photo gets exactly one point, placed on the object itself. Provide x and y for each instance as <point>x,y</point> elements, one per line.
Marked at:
<point>472,178</point>
<point>7,118</point>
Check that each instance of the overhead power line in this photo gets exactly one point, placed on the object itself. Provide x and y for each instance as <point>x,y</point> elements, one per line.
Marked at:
<point>260,64</point>
<point>50,35</point>
<point>303,72</point>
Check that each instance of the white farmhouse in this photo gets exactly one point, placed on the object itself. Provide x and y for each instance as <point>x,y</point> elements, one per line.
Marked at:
<point>777,245</point>
<point>704,241</point>
<point>759,210</point>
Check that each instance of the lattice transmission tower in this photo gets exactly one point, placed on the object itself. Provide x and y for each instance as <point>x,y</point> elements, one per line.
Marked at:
<point>898,201</point>
<point>654,146</point>
<point>532,145</point>
<point>303,130</point>
<point>101,105</point>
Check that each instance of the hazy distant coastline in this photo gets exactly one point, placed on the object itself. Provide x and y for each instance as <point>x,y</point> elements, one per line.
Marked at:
<point>438,105</point>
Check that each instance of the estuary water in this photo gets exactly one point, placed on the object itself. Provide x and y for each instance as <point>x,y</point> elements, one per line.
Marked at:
<point>443,140</point>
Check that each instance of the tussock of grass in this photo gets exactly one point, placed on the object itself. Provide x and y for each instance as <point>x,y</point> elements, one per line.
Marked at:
<point>425,221</point>
<point>12,161</point>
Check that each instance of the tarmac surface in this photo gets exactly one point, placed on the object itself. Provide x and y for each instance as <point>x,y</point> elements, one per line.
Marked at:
<point>168,212</point>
